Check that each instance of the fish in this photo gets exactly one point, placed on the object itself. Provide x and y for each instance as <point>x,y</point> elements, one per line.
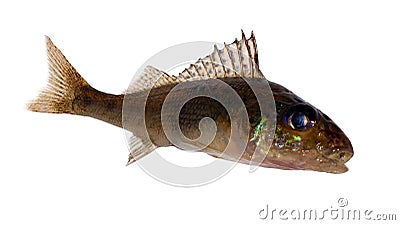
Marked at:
<point>291,134</point>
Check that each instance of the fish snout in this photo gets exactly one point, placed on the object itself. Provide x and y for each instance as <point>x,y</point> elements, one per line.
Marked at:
<point>338,145</point>
<point>342,153</point>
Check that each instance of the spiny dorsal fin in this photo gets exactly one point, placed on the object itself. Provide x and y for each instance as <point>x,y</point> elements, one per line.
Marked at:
<point>238,59</point>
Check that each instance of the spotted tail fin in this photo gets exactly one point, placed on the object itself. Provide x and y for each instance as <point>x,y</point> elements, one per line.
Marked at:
<point>63,85</point>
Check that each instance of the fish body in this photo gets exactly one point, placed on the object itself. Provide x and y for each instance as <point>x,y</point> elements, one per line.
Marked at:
<point>303,138</point>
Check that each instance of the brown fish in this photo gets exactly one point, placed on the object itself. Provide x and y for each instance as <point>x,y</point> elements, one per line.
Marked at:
<point>303,137</point>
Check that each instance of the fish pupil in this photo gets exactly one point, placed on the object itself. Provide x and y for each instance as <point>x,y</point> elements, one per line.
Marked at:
<point>299,120</point>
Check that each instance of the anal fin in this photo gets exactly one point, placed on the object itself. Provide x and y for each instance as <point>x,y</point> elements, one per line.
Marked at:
<point>138,148</point>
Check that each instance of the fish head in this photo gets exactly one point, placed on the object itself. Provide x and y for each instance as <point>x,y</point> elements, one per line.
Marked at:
<point>306,138</point>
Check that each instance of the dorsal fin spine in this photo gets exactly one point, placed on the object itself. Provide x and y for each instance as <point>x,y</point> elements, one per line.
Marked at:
<point>197,69</point>
<point>249,55</point>
<point>252,37</point>
<point>221,60</point>
<point>240,56</point>
<point>205,68</point>
<point>212,65</point>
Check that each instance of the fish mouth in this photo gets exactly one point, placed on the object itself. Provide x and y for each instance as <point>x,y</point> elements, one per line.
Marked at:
<point>335,153</point>
<point>333,160</point>
<point>328,166</point>
<point>329,161</point>
<point>341,153</point>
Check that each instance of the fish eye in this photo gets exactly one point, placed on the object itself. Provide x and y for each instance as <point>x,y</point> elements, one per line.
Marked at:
<point>300,117</point>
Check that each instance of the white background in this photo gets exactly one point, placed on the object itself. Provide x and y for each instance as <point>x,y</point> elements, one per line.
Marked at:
<point>341,56</point>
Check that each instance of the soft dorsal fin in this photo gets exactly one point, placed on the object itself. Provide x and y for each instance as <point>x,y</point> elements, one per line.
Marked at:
<point>151,77</point>
<point>238,59</point>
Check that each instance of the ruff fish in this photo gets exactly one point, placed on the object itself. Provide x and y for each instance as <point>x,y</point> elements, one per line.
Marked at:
<point>304,138</point>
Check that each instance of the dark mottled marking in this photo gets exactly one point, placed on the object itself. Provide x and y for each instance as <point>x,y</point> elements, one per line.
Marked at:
<point>111,105</point>
<point>87,100</point>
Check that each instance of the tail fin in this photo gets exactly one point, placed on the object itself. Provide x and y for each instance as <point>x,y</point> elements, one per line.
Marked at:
<point>64,83</point>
